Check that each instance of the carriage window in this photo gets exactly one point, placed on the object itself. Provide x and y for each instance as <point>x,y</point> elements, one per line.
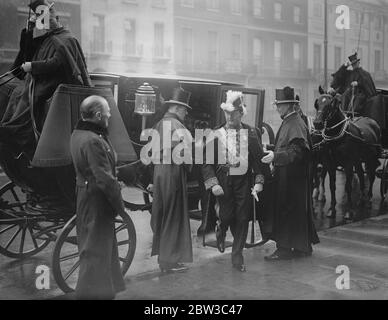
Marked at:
<point>252,112</point>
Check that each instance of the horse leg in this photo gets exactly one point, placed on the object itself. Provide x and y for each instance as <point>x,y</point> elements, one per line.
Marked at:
<point>348,189</point>
<point>322,178</point>
<point>371,167</point>
<point>360,174</point>
<point>332,176</point>
<point>315,181</point>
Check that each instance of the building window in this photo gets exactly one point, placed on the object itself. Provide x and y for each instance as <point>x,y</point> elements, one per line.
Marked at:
<point>318,10</point>
<point>213,5</point>
<point>337,57</point>
<point>258,8</point>
<point>377,60</point>
<point>187,46</point>
<point>130,37</point>
<point>213,50</point>
<point>317,58</point>
<point>187,3</point>
<point>378,23</point>
<point>236,46</point>
<point>159,39</point>
<point>98,33</point>
<point>297,15</point>
<point>257,51</point>
<point>297,55</point>
<point>277,54</point>
<point>236,6</point>
<point>278,11</point>
<point>159,3</point>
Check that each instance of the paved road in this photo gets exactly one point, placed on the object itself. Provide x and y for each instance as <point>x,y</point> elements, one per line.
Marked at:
<point>305,278</point>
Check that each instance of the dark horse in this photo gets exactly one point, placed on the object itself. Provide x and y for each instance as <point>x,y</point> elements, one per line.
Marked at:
<point>347,143</point>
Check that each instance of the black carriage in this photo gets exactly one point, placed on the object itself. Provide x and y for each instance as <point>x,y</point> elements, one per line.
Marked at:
<point>26,231</point>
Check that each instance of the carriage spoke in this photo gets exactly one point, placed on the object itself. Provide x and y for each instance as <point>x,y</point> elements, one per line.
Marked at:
<point>122,227</point>
<point>8,228</point>
<point>124,242</point>
<point>22,239</point>
<point>69,257</point>
<point>13,238</point>
<point>71,271</point>
<point>33,237</point>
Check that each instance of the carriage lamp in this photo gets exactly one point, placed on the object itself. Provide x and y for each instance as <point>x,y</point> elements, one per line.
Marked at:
<point>145,99</point>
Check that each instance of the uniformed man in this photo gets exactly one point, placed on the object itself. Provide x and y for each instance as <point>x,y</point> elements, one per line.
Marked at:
<point>232,189</point>
<point>293,227</point>
<point>99,201</point>
<point>355,77</point>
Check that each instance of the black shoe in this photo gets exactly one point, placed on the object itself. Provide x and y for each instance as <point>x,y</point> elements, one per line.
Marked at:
<point>178,267</point>
<point>220,239</point>
<point>301,254</point>
<point>240,267</point>
<point>279,255</point>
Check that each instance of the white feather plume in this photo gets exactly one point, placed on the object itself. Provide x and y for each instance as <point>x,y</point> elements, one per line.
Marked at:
<point>231,97</point>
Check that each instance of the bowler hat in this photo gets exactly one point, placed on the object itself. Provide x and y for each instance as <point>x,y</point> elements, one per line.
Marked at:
<point>353,59</point>
<point>35,4</point>
<point>180,97</point>
<point>285,95</point>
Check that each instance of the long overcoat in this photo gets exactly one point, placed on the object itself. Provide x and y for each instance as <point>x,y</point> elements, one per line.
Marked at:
<point>98,203</point>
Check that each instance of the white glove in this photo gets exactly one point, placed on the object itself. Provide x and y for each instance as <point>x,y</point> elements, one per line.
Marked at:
<point>218,191</point>
<point>268,158</point>
<point>354,84</point>
<point>150,188</point>
<point>27,67</point>
<point>256,190</point>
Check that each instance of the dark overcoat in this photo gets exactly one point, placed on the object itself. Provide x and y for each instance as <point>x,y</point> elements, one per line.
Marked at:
<point>293,225</point>
<point>98,203</point>
<point>170,221</point>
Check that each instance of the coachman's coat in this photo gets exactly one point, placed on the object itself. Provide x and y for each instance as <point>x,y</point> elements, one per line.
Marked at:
<point>98,203</point>
<point>170,221</point>
<point>293,225</point>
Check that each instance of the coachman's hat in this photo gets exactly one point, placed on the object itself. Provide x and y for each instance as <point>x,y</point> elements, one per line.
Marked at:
<point>35,4</point>
<point>180,97</point>
<point>354,59</point>
<point>285,95</point>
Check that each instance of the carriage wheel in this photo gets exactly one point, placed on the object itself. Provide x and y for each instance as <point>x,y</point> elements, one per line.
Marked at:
<point>22,238</point>
<point>65,260</point>
<point>384,181</point>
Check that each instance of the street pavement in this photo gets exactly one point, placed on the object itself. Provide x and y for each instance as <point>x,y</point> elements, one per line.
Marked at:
<point>360,246</point>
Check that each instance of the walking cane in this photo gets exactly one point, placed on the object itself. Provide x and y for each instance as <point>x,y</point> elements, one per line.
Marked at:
<point>254,242</point>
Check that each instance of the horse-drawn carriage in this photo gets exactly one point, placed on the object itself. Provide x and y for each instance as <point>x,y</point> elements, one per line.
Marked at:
<point>37,205</point>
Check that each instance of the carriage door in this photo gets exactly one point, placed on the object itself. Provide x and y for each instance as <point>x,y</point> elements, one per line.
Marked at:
<point>254,100</point>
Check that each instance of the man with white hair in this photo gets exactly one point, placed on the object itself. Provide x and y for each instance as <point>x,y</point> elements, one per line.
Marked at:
<point>99,201</point>
<point>234,191</point>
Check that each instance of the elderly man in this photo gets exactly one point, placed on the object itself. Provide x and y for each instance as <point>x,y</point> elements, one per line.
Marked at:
<point>293,227</point>
<point>98,203</point>
<point>233,188</point>
<point>170,220</point>
<point>48,60</point>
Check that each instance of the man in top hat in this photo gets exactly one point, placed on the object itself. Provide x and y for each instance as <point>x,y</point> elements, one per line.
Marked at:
<point>293,227</point>
<point>170,220</point>
<point>359,79</point>
<point>53,58</point>
<point>234,189</point>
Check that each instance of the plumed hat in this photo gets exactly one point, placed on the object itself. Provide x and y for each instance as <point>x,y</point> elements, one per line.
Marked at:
<point>35,4</point>
<point>285,95</point>
<point>180,97</point>
<point>234,101</point>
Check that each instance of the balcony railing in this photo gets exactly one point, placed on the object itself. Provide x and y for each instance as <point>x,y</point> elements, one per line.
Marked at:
<point>133,51</point>
<point>98,48</point>
<point>162,53</point>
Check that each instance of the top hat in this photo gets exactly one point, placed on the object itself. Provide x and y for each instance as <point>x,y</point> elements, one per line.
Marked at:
<point>285,95</point>
<point>234,101</point>
<point>35,4</point>
<point>180,97</point>
<point>353,59</point>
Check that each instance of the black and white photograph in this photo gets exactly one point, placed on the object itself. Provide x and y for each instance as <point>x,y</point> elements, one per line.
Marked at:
<point>204,152</point>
